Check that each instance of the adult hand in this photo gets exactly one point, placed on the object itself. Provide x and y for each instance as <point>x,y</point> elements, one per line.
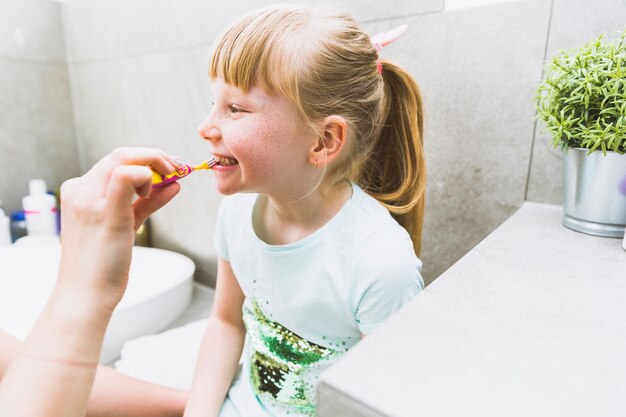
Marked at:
<point>56,364</point>
<point>100,216</point>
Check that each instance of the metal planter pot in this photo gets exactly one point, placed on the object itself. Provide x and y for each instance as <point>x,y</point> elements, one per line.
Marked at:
<point>592,201</point>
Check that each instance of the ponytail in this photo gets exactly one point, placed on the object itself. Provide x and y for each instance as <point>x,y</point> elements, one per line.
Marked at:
<point>395,171</point>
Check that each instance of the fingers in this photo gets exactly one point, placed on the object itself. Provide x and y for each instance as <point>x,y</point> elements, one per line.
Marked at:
<point>155,158</point>
<point>126,181</point>
<point>116,178</point>
<point>159,197</point>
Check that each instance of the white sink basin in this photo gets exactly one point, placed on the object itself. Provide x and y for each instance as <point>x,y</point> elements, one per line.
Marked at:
<point>159,289</point>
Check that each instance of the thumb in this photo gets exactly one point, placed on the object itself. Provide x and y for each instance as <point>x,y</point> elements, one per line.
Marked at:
<point>126,181</point>
<point>145,206</point>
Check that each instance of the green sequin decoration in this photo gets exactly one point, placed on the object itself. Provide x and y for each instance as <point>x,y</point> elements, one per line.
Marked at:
<point>285,366</point>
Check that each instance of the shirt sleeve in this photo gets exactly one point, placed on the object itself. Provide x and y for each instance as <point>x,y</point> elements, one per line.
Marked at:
<point>392,277</point>
<point>220,242</point>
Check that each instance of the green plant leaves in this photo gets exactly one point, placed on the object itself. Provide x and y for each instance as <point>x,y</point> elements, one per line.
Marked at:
<point>582,100</point>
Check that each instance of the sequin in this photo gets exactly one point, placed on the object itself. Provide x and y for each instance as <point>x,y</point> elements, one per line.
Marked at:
<point>284,366</point>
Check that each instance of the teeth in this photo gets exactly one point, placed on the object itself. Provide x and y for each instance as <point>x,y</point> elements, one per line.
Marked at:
<point>222,160</point>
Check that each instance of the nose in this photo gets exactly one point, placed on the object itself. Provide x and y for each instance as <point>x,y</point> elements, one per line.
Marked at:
<point>209,130</point>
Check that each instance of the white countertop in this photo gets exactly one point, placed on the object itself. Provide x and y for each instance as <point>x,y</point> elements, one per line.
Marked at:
<point>531,322</point>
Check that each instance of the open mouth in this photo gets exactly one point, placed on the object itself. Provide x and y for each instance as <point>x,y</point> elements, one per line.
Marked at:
<point>225,161</point>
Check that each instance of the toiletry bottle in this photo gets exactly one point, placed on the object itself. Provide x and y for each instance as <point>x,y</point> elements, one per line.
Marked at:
<point>18,225</point>
<point>40,209</point>
<point>5,228</point>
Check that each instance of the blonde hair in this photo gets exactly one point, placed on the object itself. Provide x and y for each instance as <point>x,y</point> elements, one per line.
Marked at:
<point>326,65</point>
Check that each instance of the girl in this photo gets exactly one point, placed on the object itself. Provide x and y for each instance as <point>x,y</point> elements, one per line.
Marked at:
<point>317,141</point>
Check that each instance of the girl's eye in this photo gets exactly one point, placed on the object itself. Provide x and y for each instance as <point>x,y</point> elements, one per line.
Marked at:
<point>235,109</point>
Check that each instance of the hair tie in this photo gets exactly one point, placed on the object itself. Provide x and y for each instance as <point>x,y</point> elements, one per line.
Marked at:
<point>379,66</point>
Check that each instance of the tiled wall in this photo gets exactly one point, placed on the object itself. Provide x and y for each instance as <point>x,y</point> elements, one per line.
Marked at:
<point>36,125</point>
<point>138,76</point>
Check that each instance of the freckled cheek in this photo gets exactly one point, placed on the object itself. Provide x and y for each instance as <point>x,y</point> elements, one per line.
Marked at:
<point>250,154</point>
<point>262,144</point>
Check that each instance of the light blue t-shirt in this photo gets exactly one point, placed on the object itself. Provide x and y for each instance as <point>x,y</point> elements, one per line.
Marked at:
<point>307,302</point>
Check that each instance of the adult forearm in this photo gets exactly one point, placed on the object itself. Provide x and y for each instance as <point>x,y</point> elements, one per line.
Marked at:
<point>114,394</point>
<point>9,346</point>
<point>217,365</point>
<point>57,361</point>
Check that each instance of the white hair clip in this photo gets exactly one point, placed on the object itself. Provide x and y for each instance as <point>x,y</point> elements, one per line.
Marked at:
<point>382,39</point>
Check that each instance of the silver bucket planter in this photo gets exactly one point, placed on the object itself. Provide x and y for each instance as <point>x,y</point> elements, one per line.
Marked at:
<point>592,201</point>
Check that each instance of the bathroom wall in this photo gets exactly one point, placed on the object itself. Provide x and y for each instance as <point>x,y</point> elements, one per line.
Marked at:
<point>138,76</point>
<point>36,125</point>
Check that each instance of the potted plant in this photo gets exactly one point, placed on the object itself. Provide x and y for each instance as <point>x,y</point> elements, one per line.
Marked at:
<point>582,102</point>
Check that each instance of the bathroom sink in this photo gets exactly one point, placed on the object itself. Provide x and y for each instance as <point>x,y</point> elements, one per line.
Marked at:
<point>159,289</point>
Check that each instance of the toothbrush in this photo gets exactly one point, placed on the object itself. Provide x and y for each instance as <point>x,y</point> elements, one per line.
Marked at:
<point>159,180</point>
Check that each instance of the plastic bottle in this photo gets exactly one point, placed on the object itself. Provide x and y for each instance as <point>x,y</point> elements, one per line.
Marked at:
<point>5,228</point>
<point>40,210</point>
<point>18,225</point>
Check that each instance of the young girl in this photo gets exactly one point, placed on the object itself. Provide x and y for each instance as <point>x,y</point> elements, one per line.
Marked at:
<point>317,141</point>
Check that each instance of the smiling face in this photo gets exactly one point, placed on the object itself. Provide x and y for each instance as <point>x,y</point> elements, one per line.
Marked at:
<point>259,142</point>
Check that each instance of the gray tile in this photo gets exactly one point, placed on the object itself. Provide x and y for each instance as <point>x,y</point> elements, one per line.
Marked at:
<point>576,22</point>
<point>572,24</point>
<point>91,29</point>
<point>478,69</point>
<point>36,128</point>
<point>110,29</point>
<point>370,10</point>
<point>173,24</point>
<point>466,4</point>
<point>156,100</point>
<point>545,179</point>
<point>171,88</point>
<point>98,30</point>
<point>99,111</point>
<point>31,29</point>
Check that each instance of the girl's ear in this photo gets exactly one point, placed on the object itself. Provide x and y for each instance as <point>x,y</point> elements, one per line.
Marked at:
<point>328,147</point>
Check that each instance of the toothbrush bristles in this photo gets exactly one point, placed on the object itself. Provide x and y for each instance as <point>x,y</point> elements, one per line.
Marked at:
<point>208,164</point>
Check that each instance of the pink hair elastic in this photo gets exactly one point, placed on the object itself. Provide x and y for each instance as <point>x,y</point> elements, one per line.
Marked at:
<point>382,39</point>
